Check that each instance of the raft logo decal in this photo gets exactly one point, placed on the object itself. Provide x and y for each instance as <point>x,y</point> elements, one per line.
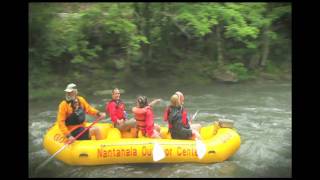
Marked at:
<point>116,151</point>
<point>186,151</point>
<point>59,138</point>
<point>103,153</point>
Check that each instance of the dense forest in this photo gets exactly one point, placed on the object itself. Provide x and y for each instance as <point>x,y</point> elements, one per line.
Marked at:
<point>102,45</point>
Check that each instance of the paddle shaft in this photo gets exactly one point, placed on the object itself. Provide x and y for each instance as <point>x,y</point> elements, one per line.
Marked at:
<point>77,136</point>
<point>200,146</point>
<point>195,114</point>
<point>68,143</point>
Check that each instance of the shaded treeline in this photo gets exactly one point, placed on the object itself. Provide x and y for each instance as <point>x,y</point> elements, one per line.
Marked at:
<point>125,43</point>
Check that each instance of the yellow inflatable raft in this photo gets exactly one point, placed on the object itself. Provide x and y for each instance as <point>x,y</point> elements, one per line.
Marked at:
<point>221,141</point>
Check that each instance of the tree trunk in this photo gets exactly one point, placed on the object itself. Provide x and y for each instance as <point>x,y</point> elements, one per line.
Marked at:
<point>146,15</point>
<point>143,16</point>
<point>265,47</point>
<point>220,58</point>
<point>254,60</point>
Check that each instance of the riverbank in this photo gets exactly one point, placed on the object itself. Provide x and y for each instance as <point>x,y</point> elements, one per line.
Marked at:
<point>93,87</point>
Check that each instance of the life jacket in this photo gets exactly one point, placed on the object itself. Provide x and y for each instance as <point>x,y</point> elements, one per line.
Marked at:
<point>76,117</point>
<point>140,116</point>
<point>177,118</point>
<point>120,108</point>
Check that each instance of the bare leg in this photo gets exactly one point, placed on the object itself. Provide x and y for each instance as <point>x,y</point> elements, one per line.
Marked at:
<point>156,135</point>
<point>196,127</point>
<point>128,124</point>
<point>195,135</point>
<point>94,131</point>
<point>157,128</point>
<point>134,132</point>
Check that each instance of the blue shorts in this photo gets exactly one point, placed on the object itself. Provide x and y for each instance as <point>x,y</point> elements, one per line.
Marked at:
<point>84,136</point>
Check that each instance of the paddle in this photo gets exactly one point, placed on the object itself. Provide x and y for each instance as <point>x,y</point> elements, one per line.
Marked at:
<point>200,146</point>
<point>70,141</point>
<point>158,152</point>
<point>195,114</point>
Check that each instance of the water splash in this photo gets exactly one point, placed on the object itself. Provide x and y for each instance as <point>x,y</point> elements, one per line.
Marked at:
<point>262,116</point>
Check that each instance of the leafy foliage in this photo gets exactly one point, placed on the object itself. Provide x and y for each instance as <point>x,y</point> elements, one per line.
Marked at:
<point>113,40</point>
<point>240,70</point>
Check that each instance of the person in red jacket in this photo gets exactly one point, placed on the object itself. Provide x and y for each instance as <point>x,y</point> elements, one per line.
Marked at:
<point>117,112</point>
<point>71,118</point>
<point>144,117</point>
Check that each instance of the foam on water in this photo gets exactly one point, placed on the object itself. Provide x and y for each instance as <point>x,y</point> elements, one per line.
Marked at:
<point>262,116</point>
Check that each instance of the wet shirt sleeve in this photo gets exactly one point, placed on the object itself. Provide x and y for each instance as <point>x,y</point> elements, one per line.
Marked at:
<point>188,121</point>
<point>165,114</point>
<point>149,122</point>
<point>61,118</point>
<point>89,109</point>
<point>185,119</point>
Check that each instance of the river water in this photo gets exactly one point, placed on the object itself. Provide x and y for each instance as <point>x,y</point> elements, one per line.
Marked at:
<point>261,112</point>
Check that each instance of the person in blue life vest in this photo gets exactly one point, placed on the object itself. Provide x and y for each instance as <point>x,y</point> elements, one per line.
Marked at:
<point>179,123</point>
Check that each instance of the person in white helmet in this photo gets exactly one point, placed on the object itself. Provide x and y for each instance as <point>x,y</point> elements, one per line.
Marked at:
<point>72,115</point>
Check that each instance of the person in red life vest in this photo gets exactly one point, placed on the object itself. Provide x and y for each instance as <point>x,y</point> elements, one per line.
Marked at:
<point>72,113</point>
<point>143,114</point>
<point>117,112</point>
<point>179,123</point>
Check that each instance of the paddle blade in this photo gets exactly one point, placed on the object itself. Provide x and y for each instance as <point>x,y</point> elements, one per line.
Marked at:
<point>201,148</point>
<point>51,157</point>
<point>158,152</point>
